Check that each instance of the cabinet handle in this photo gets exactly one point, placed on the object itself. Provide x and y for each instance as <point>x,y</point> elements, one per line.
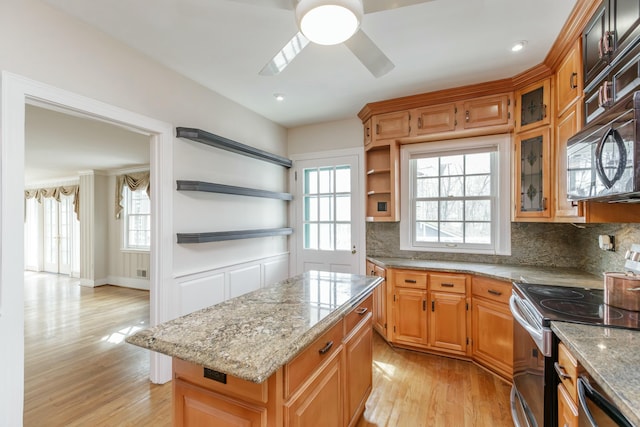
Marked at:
<point>494,292</point>
<point>544,203</point>
<point>600,96</point>
<point>326,348</point>
<point>373,273</point>
<point>419,122</point>
<point>377,129</point>
<point>573,81</point>
<point>562,373</point>
<point>544,110</point>
<point>409,281</point>
<point>606,44</point>
<point>447,285</point>
<point>600,54</point>
<point>368,132</point>
<point>605,93</point>
<point>362,310</point>
<point>433,305</point>
<point>466,116</point>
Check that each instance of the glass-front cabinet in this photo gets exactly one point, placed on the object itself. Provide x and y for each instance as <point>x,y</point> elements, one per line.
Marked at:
<point>532,106</point>
<point>533,174</point>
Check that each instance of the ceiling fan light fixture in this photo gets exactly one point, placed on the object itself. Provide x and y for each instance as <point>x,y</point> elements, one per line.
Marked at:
<point>329,22</point>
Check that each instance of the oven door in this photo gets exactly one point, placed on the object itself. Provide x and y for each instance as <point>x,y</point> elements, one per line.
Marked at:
<point>596,410</point>
<point>531,400</point>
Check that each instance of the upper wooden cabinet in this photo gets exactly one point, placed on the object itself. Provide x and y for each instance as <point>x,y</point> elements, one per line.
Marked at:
<point>486,111</point>
<point>390,125</point>
<point>382,182</point>
<point>434,119</point>
<point>532,174</point>
<point>533,106</point>
<point>569,80</point>
<point>567,125</point>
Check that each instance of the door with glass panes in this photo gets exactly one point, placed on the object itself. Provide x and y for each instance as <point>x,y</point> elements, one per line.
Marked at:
<point>58,232</point>
<point>327,211</point>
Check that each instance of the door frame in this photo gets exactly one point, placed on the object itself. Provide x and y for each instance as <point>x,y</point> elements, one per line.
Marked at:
<point>15,92</point>
<point>357,192</point>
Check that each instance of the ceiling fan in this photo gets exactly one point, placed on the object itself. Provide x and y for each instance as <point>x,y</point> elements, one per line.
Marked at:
<point>330,22</point>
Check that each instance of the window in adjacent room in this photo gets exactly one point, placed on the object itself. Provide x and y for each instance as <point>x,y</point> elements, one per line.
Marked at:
<point>456,196</point>
<point>136,217</point>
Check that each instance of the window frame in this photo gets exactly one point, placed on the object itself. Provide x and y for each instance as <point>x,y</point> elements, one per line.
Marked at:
<point>126,204</point>
<point>501,183</point>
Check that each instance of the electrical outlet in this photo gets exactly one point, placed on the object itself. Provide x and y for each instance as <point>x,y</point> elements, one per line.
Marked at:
<point>142,273</point>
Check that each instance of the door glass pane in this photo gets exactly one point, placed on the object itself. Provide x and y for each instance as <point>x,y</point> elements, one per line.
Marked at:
<point>531,175</point>
<point>532,108</point>
<point>65,214</point>
<point>343,179</point>
<point>327,200</point>
<point>51,231</point>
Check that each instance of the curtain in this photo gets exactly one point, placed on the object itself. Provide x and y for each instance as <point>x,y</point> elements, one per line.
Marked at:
<point>135,181</point>
<point>56,192</point>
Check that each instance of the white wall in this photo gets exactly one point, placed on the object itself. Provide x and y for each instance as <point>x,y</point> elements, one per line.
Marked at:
<point>334,135</point>
<point>38,42</point>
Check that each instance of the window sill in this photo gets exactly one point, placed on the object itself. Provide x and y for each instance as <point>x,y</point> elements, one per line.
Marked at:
<point>134,251</point>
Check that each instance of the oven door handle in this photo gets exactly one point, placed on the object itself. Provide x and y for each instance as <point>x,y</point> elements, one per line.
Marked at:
<point>586,391</point>
<point>517,314</point>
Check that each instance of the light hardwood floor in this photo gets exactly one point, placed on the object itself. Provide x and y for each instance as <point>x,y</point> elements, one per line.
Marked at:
<point>79,372</point>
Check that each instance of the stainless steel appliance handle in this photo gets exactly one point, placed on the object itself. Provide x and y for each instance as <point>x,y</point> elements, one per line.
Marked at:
<point>514,410</point>
<point>517,315</point>
<point>586,391</point>
<point>600,152</point>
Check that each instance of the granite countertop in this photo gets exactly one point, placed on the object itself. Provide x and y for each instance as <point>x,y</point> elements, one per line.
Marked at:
<point>254,335</point>
<point>517,273</point>
<point>612,357</point>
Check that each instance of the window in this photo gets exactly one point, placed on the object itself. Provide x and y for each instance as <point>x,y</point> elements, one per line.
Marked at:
<point>136,219</point>
<point>456,196</point>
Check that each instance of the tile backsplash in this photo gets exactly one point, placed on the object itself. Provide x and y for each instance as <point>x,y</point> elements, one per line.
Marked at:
<point>539,244</point>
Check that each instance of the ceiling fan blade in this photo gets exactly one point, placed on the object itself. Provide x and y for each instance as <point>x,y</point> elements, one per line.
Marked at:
<point>280,4</point>
<point>371,6</point>
<point>369,54</point>
<point>285,56</point>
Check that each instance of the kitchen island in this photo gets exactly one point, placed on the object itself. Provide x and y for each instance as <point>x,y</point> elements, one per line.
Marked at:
<point>295,353</point>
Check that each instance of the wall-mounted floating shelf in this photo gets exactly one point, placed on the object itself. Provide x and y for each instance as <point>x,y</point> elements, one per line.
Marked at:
<point>220,236</point>
<point>230,145</point>
<point>211,187</point>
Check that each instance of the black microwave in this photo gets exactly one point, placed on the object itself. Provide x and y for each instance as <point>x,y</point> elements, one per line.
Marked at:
<point>603,159</point>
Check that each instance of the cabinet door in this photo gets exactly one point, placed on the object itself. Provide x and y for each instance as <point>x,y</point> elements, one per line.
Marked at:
<point>434,119</point>
<point>195,406</point>
<point>380,303</point>
<point>624,22</point>
<point>492,336</point>
<point>448,322</point>
<point>359,356</point>
<point>533,106</point>
<point>567,410</point>
<point>319,402</point>
<point>410,316</point>
<point>390,125</point>
<point>569,79</point>
<point>486,111</point>
<point>533,174</point>
<point>367,132</point>
<point>594,59</point>
<point>565,210</point>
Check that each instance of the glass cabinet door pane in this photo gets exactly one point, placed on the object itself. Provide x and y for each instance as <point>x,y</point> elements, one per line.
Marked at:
<point>531,178</point>
<point>532,108</point>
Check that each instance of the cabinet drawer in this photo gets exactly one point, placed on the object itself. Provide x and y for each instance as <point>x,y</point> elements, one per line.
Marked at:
<point>448,283</point>
<point>568,370</point>
<point>296,371</point>
<point>410,279</point>
<point>195,374</point>
<point>492,289</point>
<point>359,313</point>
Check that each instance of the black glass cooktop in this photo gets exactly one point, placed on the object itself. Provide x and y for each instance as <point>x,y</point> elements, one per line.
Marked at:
<point>577,305</point>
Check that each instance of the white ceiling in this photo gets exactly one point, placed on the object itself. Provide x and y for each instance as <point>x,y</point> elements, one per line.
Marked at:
<point>59,145</point>
<point>223,44</point>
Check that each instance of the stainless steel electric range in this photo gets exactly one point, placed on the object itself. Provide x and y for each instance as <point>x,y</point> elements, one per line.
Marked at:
<point>534,392</point>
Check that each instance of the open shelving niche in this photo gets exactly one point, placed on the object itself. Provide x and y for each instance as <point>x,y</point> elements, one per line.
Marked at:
<point>223,143</point>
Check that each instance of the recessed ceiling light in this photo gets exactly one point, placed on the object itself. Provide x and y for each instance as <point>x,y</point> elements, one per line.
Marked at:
<point>279,97</point>
<point>518,46</point>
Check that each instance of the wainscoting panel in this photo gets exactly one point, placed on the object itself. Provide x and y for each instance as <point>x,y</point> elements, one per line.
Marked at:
<point>203,289</point>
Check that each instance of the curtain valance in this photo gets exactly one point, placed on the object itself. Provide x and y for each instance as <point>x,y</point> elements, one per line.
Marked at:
<point>56,192</point>
<point>135,181</point>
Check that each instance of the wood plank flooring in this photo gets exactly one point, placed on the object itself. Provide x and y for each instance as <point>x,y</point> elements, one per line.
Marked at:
<point>80,372</point>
